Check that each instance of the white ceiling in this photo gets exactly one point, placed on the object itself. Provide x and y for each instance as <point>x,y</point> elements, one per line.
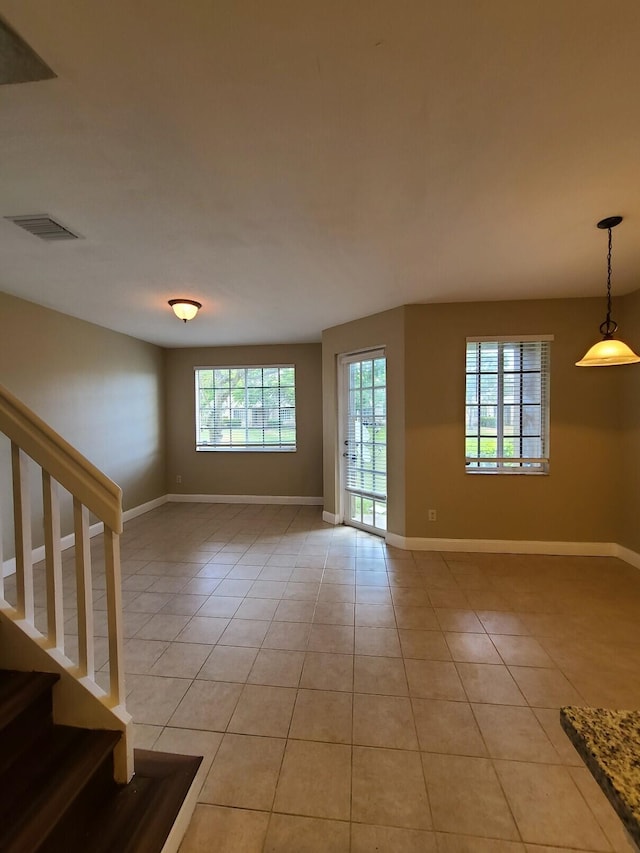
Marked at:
<point>295,164</point>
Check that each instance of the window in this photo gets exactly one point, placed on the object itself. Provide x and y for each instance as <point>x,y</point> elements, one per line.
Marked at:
<point>246,408</point>
<point>507,405</point>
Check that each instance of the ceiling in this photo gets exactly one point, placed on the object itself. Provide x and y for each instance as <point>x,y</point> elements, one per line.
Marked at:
<point>295,165</point>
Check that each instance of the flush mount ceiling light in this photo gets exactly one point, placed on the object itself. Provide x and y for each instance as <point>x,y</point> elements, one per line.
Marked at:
<point>185,309</point>
<point>608,352</point>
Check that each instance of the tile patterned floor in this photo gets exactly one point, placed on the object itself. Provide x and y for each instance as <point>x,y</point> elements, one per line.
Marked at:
<point>348,696</point>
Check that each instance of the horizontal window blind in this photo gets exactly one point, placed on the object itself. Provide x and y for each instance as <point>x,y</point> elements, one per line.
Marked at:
<point>366,428</point>
<point>507,405</point>
<point>246,408</point>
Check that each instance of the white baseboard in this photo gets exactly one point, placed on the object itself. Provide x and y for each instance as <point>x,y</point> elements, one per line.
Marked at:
<point>300,500</point>
<point>68,541</point>
<point>407,543</point>
<point>135,511</point>
<point>506,546</point>
<point>626,554</point>
<point>330,517</point>
<point>9,567</point>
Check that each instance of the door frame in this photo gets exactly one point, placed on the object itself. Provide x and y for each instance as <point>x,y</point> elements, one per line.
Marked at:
<point>342,360</point>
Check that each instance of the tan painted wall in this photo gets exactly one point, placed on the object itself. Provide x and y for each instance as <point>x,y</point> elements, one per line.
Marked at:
<point>385,329</point>
<point>578,500</point>
<point>627,312</point>
<point>238,473</point>
<point>102,391</point>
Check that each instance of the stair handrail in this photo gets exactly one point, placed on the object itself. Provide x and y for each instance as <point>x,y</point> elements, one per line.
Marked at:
<point>65,464</point>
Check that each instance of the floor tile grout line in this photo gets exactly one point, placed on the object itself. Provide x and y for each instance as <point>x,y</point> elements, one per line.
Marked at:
<point>511,608</point>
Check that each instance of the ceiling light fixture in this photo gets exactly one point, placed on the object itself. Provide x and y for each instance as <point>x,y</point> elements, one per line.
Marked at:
<point>608,352</point>
<point>185,309</point>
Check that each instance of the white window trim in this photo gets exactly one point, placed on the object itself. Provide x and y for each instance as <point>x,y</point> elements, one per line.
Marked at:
<point>248,448</point>
<point>510,339</point>
<point>543,470</point>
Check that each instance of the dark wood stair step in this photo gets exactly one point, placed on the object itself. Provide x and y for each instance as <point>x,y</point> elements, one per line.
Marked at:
<point>134,818</point>
<point>58,792</point>
<point>19,690</point>
<point>25,713</point>
<point>44,784</point>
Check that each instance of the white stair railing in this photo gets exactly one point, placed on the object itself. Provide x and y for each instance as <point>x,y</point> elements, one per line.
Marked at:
<point>92,492</point>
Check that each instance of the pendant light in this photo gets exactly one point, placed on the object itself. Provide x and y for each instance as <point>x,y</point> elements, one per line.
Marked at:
<point>185,309</point>
<point>609,351</point>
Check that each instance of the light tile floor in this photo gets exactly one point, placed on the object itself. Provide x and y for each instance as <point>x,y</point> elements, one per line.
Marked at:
<point>348,696</point>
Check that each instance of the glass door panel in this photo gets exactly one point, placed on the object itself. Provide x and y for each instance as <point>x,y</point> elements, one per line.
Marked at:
<point>364,440</point>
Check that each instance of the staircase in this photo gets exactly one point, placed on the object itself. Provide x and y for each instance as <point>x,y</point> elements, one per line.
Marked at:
<point>70,780</point>
<point>57,782</point>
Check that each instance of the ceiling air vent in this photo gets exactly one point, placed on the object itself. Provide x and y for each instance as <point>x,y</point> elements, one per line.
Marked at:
<point>19,63</point>
<point>43,226</point>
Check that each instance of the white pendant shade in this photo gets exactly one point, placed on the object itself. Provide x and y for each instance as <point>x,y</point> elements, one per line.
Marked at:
<point>608,353</point>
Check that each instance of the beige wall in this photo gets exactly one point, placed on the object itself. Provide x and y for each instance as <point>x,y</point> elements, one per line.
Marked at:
<point>577,500</point>
<point>239,473</point>
<point>387,330</point>
<point>102,391</point>
<point>627,312</point>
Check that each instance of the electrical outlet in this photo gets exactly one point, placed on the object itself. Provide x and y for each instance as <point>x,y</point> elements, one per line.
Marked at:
<point>178,478</point>
<point>432,515</point>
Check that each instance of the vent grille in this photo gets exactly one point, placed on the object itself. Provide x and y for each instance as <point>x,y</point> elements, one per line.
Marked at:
<point>19,63</point>
<point>43,226</point>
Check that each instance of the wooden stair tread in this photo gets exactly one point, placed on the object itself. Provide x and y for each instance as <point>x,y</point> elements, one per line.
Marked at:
<point>58,791</point>
<point>133,818</point>
<point>19,689</point>
<point>47,781</point>
<point>25,713</point>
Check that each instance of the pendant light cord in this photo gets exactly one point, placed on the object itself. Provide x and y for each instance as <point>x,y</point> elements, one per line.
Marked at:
<point>609,326</point>
<point>609,280</point>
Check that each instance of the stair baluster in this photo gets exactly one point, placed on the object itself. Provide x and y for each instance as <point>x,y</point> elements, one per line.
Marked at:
<point>84,589</point>
<point>53,561</point>
<point>114,611</point>
<point>22,526</point>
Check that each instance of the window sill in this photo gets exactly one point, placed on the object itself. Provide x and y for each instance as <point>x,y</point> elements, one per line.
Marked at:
<point>517,473</point>
<point>246,449</point>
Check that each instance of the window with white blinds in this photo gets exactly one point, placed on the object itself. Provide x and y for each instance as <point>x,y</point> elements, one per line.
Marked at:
<point>246,408</point>
<point>507,405</point>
